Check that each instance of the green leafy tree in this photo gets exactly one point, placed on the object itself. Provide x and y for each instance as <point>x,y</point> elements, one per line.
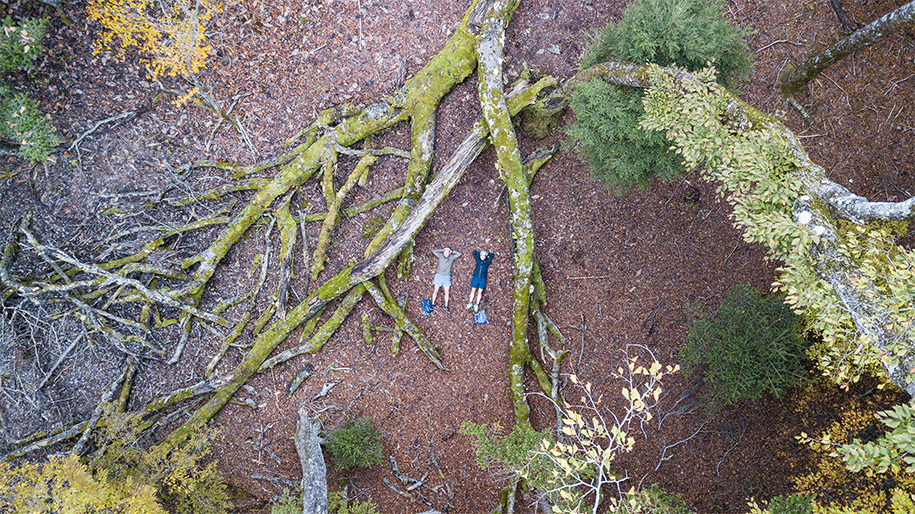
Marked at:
<point>754,343</point>
<point>356,444</point>
<point>690,33</point>
<point>21,121</point>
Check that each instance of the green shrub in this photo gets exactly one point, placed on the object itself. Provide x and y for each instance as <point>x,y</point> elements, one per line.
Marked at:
<point>514,451</point>
<point>690,33</point>
<point>337,503</point>
<point>356,444</point>
<point>23,123</point>
<point>20,43</point>
<point>290,502</point>
<point>794,504</point>
<point>654,500</point>
<point>754,343</point>
<point>619,153</point>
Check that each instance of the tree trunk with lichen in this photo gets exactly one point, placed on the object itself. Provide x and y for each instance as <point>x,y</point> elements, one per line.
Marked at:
<point>820,208</point>
<point>793,79</point>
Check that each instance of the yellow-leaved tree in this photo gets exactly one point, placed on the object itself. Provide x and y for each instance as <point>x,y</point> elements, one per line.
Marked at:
<point>169,33</point>
<point>121,475</point>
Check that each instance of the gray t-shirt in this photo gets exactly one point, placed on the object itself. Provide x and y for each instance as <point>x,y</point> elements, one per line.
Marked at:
<point>444,263</point>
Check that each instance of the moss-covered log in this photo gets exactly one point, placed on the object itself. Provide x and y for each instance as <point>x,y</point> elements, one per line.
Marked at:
<point>502,135</point>
<point>793,79</point>
<point>416,101</point>
<point>317,341</point>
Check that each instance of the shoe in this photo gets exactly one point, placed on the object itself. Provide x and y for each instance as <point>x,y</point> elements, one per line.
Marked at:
<point>469,306</point>
<point>447,309</point>
<point>476,307</point>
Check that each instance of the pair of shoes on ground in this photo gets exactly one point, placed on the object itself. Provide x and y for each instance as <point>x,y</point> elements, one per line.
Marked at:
<point>443,306</point>
<point>474,306</point>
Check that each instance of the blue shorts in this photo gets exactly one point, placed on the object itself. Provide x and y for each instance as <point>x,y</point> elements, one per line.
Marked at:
<point>478,282</point>
<point>441,280</point>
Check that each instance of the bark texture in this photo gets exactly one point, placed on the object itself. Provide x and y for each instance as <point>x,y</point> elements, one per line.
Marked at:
<point>314,470</point>
<point>794,79</point>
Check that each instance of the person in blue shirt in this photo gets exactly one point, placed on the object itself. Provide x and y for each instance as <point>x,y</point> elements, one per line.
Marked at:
<point>478,282</point>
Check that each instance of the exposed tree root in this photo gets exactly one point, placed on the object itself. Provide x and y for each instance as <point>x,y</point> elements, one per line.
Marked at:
<point>390,307</point>
<point>288,232</point>
<point>333,209</point>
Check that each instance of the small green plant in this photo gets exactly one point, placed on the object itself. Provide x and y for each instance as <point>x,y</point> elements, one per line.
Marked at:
<point>653,500</point>
<point>22,122</point>
<point>289,503</point>
<point>754,343</point>
<point>356,444</point>
<point>690,33</point>
<point>794,504</point>
<point>337,503</point>
<point>20,43</point>
<point>20,119</point>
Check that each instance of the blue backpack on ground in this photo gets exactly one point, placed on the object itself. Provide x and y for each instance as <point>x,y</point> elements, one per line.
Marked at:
<point>479,317</point>
<point>427,307</point>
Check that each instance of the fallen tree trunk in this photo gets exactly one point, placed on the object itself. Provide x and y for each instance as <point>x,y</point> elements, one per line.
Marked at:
<point>792,79</point>
<point>314,471</point>
<point>874,307</point>
<point>502,135</point>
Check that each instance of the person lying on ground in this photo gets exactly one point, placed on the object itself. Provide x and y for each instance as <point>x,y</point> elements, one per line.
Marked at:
<point>478,282</point>
<point>446,257</point>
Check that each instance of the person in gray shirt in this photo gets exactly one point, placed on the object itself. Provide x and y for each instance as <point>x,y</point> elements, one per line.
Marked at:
<point>446,257</point>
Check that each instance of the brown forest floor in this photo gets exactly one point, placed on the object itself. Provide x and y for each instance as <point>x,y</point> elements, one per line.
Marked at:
<point>618,269</point>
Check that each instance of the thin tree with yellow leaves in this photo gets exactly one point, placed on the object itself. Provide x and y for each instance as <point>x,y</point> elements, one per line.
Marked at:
<point>169,33</point>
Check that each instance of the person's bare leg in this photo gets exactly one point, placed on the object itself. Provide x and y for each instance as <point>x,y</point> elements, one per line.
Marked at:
<point>434,294</point>
<point>470,300</point>
<point>479,296</point>
<point>447,292</point>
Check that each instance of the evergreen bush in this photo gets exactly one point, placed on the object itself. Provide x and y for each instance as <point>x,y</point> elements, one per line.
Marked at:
<point>22,122</point>
<point>689,33</point>
<point>754,343</point>
<point>356,444</point>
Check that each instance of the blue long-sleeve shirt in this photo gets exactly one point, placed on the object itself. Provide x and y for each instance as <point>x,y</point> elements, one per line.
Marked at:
<point>482,268</point>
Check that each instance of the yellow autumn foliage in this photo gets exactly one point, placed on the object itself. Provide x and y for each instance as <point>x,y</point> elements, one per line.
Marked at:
<point>65,485</point>
<point>168,33</point>
<point>122,475</point>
